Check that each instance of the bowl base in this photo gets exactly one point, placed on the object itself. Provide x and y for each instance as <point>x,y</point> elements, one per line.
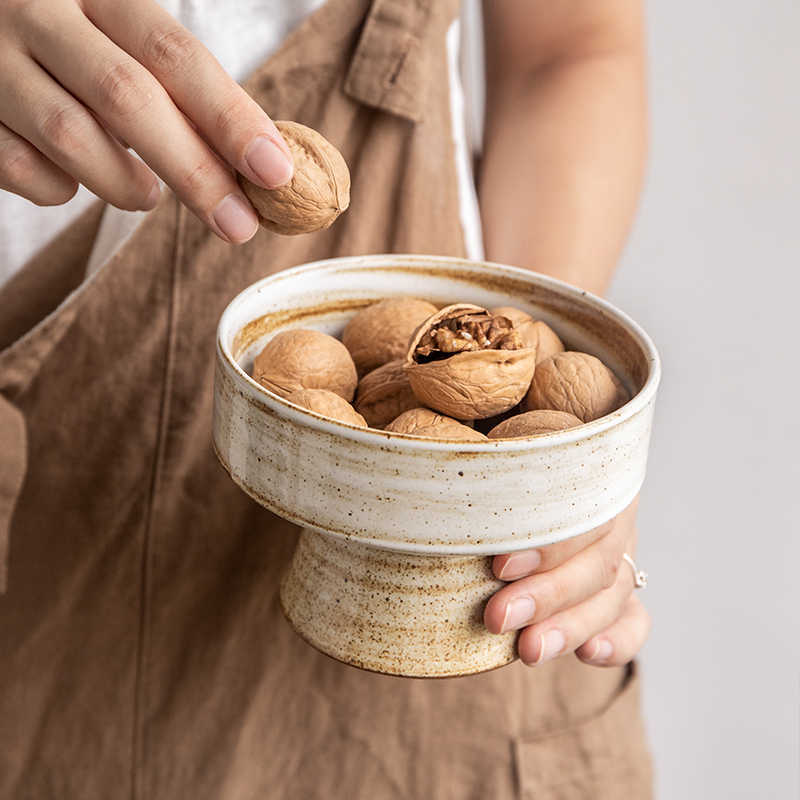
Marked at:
<point>395,613</point>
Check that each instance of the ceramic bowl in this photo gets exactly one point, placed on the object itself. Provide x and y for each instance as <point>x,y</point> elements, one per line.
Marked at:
<point>391,571</point>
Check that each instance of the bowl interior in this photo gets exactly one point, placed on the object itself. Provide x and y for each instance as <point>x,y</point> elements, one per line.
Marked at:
<point>326,295</point>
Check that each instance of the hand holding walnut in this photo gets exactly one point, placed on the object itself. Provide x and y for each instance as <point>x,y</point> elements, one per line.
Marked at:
<point>83,80</point>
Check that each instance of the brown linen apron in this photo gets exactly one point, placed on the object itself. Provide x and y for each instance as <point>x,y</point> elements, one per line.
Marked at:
<point>143,654</point>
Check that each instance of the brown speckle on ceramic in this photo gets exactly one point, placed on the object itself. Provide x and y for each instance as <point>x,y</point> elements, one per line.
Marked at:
<point>396,613</point>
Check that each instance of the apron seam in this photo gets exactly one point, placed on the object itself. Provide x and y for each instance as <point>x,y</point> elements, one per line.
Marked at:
<point>142,654</point>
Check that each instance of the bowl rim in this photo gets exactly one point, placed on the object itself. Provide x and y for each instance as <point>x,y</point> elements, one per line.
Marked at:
<point>404,441</point>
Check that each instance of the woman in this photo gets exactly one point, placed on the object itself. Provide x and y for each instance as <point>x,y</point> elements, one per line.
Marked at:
<point>144,654</point>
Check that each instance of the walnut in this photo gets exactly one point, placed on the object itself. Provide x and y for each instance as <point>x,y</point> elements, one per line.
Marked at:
<point>328,404</point>
<point>427,423</point>
<point>380,332</point>
<point>577,383</point>
<point>384,394</point>
<point>468,363</point>
<point>318,192</point>
<point>305,359</point>
<point>532,423</point>
<point>534,333</point>
<point>488,423</point>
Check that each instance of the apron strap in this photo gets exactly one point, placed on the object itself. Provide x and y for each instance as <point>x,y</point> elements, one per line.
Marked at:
<point>48,277</point>
<point>13,463</point>
<point>39,301</point>
<point>389,69</point>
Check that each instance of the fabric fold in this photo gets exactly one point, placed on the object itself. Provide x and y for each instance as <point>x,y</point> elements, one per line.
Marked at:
<point>13,463</point>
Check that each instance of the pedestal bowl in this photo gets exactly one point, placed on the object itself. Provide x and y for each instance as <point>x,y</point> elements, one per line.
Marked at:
<point>392,567</point>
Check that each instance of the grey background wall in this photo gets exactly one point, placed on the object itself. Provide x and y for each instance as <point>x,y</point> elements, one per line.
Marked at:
<point>713,272</point>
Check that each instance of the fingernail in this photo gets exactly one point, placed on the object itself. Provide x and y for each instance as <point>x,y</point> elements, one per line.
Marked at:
<point>550,645</point>
<point>152,198</point>
<point>603,650</point>
<point>520,564</point>
<point>518,611</point>
<point>268,162</point>
<point>235,219</point>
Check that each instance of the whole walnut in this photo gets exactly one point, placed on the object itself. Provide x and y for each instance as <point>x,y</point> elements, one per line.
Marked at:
<point>577,383</point>
<point>468,363</point>
<point>305,359</point>
<point>380,332</point>
<point>427,423</point>
<point>384,394</point>
<point>532,423</point>
<point>328,404</point>
<point>318,192</point>
<point>534,333</point>
<point>488,423</point>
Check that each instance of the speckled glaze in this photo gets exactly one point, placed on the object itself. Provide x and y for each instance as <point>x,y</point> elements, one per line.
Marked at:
<point>397,613</point>
<point>440,506</point>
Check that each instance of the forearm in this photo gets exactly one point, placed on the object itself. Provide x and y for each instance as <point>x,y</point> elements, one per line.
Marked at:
<point>564,155</point>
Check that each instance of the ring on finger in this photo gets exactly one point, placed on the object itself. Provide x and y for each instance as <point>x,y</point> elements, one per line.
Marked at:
<point>639,575</point>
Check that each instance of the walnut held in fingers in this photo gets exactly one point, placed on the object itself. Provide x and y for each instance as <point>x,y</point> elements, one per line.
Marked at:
<point>385,393</point>
<point>318,192</point>
<point>427,423</point>
<point>328,404</point>
<point>577,383</point>
<point>468,363</point>
<point>380,332</point>
<point>305,359</point>
<point>532,423</point>
<point>534,333</point>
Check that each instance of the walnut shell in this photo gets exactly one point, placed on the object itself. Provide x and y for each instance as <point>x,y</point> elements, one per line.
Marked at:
<point>532,423</point>
<point>534,333</point>
<point>329,404</point>
<point>424,422</point>
<point>380,332</point>
<point>577,383</point>
<point>383,394</point>
<point>318,192</point>
<point>469,364</point>
<point>488,423</point>
<point>305,359</point>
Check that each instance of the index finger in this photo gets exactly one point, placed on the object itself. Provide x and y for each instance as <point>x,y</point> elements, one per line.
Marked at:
<point>224,114</point>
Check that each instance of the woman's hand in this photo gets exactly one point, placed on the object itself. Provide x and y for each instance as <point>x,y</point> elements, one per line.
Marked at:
<point>573,596</point>
<point>82,80</point>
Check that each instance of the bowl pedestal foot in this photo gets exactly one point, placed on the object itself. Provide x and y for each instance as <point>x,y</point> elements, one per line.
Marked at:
<point>391,612</point>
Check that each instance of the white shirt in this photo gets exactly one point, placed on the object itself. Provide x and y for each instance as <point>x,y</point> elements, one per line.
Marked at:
<point>242,35</point>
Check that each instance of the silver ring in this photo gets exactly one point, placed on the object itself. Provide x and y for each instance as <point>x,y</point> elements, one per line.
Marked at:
<point>639,575</point>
